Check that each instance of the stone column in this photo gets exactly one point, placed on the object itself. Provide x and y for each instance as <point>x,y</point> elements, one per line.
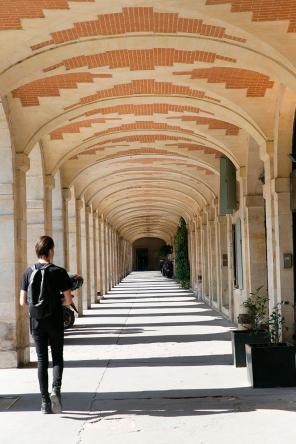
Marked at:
<point>57,222</point>
<point>267,156</point>
<point>14,321</point>
<point>255,269</point>
<point>102,257</point>
<point>279,241</point>
<point>91,252</point>
<point>193,256</point>
<point>230,268</point>
<point>223,264</point>
<point>96,258</point>
<point>117,258</point>
<point>120,258</point>
<point>218,257</point>
<point>35,203</point>
<point>111,256</point>
<point>205,258</point>
<point>78,208</point>
<point>109,231</point>
<point>87,250</point>
<point>49,184</point>
<point>198,284</point>
<point>189,246</point>
<point>66,195</point>
<point>22,344</point>
<point>84,271</point>
<point>106,256</point>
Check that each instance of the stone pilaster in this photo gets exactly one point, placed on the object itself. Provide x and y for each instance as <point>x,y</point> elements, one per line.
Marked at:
<point>87,248</point>
<point>21,346</point>
<point>96,258</point>
<point>223,267</point>
<point>49,184</point>
<point>109,278</point>
<point>66,196</point>
<point>205,257</point>
<point>102,256</point>
<point>57,222</point>
<point>78,208</point>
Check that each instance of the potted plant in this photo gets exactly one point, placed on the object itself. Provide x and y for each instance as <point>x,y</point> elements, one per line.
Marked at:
<point>252,321</point>
<point>272,364</point>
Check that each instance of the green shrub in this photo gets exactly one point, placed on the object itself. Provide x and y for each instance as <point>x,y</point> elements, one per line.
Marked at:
<point>164,250</point>
<point>181,260</point>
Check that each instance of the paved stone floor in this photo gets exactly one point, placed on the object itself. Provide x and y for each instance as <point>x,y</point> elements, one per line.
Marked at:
<point>148,365</point>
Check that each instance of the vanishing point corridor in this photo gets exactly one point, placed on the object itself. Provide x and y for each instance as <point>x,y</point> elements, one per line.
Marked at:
<point>150,364</point>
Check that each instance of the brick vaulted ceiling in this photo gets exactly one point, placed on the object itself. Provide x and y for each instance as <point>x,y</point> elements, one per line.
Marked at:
<point>134,105</point>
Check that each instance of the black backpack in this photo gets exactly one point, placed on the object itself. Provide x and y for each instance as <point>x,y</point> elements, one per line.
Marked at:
<point>40,298</point>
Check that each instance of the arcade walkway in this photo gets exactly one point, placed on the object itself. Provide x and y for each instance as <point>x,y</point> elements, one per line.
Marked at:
<point>148,365</point>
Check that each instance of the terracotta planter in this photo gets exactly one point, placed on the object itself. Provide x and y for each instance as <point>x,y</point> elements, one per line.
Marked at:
<point>239,338</point>
<point>271,366</point>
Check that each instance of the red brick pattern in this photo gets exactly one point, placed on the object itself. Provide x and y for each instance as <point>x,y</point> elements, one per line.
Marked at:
<point>131,152</point>
<point>143,110</point>
<point>142,125</point>
<point>264,10</point>
<point>255,83</point>
<point>12,11</point>
<point>188,146</point>
<point>196,147</point>
<point>150,161</point>
<point>145,86</point>
<point>75,127</point>
<point>137,20</point>
<point>140,59</point>
<point>134,152</point>
<point>50,86</point>
<point>143,138</point>
<point>231,130</point>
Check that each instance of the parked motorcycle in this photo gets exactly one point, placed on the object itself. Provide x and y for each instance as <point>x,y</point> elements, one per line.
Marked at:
<point>161,262</point>
<point>168,268</point>
<point>68,310</point>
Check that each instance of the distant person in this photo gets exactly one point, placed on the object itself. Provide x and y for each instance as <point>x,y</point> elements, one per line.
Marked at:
<point>50,327</point>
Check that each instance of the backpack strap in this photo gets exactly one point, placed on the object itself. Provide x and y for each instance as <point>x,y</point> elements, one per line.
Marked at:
<point>34,271</point>
<point>45,266</point>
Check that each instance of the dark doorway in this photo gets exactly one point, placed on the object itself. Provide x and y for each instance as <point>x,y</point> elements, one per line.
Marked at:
<point>142,259</point>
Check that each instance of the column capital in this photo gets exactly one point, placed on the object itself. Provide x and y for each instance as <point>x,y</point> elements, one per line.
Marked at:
<point>49,182</point>
<point>222,219</point>
<point>79,204</point>
<point>214,203</point>
<point>191,225</point>
<point>266,151</point>
<point>22,162</point>
<point>95,214</point>
<point>66,194</point>
<point>101,220</point>
<point>241,173</point>
<point>280,185</point>
<point>88,209</point>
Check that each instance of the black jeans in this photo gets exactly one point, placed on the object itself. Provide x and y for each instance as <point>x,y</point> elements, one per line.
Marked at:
<point>56,341</point>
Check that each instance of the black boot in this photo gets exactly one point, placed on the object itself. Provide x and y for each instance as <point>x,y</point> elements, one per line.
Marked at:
<point>56,403</point>
<point>46,406</point>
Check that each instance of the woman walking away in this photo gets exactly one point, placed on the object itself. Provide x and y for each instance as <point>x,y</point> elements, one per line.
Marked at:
<point>41,288</point>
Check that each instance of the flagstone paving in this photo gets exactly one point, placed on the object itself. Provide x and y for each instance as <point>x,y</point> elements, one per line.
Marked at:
<point>149,364</point>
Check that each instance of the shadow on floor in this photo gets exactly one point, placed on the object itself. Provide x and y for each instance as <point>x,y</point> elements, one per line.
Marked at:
<point>83,406</point>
